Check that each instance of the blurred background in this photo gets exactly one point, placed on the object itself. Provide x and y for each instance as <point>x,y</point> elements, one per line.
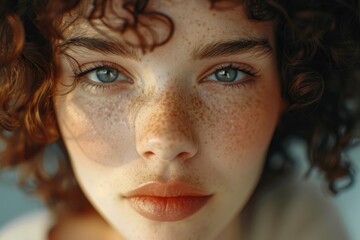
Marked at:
<point>14,203</point>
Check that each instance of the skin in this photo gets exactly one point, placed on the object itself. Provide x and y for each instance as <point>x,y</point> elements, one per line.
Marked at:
<point>86,225</point>
<point>169,121</point>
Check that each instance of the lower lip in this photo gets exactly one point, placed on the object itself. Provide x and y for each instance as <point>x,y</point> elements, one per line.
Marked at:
<point>167,208</point>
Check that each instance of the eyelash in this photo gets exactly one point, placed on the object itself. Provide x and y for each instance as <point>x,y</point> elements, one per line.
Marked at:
<point>90,85</point>
<point>88,68</point>
<point>249,71</point>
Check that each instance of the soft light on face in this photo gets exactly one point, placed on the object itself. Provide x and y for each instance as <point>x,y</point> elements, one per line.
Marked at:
<point>187,112</point>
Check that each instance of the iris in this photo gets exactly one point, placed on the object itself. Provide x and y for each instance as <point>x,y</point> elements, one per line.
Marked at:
<point>226,75</point>
<point>107,75</point>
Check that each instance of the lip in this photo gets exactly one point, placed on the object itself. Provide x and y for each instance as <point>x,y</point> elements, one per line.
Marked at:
<point>171,201</point>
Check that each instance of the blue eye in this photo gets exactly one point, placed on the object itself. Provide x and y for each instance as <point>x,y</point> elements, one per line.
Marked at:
<point>228,74</point>
<point>105,75</point>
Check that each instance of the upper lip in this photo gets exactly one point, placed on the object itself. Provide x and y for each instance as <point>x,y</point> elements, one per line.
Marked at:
<point>167,189</point>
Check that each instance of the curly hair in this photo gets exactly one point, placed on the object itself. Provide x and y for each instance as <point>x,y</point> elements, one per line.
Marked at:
<point>318,45</point>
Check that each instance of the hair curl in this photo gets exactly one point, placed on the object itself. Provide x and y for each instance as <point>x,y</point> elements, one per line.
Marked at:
<point>318,45</point>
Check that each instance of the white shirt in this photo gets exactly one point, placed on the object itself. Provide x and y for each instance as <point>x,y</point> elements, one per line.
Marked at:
<point>292,209</point>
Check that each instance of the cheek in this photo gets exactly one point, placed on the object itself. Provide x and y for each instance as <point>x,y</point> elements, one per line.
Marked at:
<point>241,129</point>
<point>234,127</point>
<point>235,134</point>
<point>231,128</point>
<point>98,127</point>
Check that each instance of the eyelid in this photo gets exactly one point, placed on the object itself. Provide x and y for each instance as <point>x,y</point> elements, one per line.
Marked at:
<point>247,69</point>
<point>92,66</point>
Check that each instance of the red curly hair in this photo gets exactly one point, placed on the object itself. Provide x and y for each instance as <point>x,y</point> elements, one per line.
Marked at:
<point>318,44</point>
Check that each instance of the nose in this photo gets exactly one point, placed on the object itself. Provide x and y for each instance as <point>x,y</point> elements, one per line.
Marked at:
<point>164,130</point>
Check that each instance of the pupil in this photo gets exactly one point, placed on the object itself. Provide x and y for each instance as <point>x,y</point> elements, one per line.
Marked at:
<point>226,75</point>
<point>107,75</point>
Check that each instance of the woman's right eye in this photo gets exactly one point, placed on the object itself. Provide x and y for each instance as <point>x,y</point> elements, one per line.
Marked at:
<point>105,75</point>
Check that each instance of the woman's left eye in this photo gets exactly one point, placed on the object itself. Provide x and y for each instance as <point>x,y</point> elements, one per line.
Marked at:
<point>228,74</point>
<point>105,75</point>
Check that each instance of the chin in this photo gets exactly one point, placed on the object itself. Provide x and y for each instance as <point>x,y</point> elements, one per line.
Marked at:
<point>133,226</point>
<point>178,230</point>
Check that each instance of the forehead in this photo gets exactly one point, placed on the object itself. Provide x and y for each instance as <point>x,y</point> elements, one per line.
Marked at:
<point>195,21</point>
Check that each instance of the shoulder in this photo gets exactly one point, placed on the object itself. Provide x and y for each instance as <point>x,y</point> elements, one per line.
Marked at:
<point>32,226</point>
<point>293,208</point>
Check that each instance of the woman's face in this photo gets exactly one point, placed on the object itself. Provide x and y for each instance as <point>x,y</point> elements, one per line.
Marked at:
<point>170,144</point>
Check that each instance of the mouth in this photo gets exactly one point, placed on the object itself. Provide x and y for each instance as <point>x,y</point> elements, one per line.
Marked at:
<point>172,201</point>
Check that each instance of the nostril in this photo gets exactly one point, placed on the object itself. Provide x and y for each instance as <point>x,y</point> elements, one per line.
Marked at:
<point>161,155</point>
<point>148,154</point>
<point>184,155</point>
<point>163,149</point>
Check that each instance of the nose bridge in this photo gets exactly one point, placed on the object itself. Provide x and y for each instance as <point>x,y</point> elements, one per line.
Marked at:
<point>164,131</point>
<point>170,114</point>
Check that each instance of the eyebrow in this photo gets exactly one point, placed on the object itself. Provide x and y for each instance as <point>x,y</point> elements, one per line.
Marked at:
<point>216,49</point>
<point>233,47</point>
<point>101,46</point>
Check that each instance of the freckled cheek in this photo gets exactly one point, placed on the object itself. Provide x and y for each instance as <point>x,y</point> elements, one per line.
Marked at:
<point>98,128</point>
<point>242,132</point>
